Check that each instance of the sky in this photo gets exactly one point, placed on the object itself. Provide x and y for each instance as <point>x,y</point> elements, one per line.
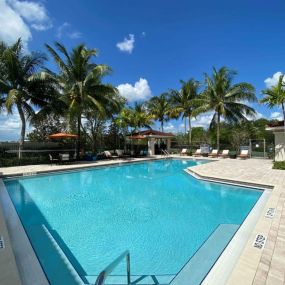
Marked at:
<point>151,45</point>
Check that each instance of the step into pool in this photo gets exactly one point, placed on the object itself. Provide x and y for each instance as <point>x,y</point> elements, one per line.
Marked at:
<point>78,222</point>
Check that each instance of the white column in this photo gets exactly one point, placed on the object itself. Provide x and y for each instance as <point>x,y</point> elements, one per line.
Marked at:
<point>150,144</point>
<point>168,144</point>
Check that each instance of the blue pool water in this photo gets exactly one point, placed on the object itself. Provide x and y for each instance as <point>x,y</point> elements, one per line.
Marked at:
<point>154,209</point>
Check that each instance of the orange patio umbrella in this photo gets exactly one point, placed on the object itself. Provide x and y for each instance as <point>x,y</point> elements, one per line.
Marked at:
<point>62,136</point>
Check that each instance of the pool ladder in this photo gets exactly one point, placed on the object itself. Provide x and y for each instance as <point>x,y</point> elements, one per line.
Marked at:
<point>108,270</point>
<point>165,152</point>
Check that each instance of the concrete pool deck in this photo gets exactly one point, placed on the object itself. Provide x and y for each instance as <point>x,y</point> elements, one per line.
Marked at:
<point>254,266</point>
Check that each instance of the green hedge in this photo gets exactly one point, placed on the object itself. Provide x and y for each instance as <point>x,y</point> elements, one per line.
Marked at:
<point>279,165</point>
<point>6,162</point>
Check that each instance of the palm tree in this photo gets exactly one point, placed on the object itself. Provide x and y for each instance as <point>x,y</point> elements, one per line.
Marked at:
<point>160,107</point>
<point>140,117</point>
<point>21,85</point>
<point>275,96</point>
<point>225,99</point>
<point>124,120</point>
<point>81,83</point>
<point>183,102</point>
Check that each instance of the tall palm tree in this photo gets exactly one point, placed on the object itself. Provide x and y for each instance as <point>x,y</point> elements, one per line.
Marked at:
<point>21,85</point>
<point>81,84</point>
<point>183,102</point>
<point>160,107</point>
<point>275,96</point>
<point>140,116</point>
<point>225,99</point>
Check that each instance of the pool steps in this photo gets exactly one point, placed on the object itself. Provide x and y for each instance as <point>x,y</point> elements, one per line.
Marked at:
<point>51,253</point>
<point>205,257</point>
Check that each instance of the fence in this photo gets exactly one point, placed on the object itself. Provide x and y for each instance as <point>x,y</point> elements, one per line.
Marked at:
<point>32,153</point>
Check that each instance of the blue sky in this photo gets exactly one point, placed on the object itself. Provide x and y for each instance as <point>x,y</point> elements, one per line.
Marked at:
<point>151,45</point>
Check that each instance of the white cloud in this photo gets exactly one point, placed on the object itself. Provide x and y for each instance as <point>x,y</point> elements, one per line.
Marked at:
<point>203,120</point>
<point>10,125</point>
<point>61,29</point>
<point>18,17</point>
<point>276,116</point>
<point>127,45</point>
<point>271,81</point>
<point>137,92</point>
<point>75,35</point>
<point>65,29</point>
<point>169,127</point>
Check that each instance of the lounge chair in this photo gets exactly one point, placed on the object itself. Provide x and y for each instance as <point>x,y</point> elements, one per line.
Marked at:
<point>183,151</point>
<point>120,153</point>
<point>51,159</point>
<point>225,153</point>
<point>243,154</point>
<point>214,153</point>
<point>197,152</point>
<point>109,155</point>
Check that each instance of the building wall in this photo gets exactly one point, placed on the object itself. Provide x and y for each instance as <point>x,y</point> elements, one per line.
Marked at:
<point>279,146</point>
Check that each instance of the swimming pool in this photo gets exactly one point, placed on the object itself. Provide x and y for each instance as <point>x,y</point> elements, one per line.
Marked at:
<point>162,215</point>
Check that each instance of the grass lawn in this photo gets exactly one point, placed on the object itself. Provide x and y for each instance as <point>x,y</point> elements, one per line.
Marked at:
<point>279,165</point>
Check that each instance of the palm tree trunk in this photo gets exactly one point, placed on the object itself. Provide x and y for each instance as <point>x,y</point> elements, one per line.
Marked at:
<point>185,127</point>
<point>161,126</point>
<point>190,131</point>
<point>78,136</point>
<point>283,110</point>
<point>23,130</point>
<point>218,132</point>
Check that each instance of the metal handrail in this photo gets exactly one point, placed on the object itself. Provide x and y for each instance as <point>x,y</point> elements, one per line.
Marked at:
<point>104,274</point>
<point>165,152</point>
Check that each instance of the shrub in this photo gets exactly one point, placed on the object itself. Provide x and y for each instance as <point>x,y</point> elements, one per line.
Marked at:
<point>279,165</point>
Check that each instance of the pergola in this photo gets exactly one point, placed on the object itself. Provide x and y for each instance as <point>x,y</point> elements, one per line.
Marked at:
<point>152,136</point>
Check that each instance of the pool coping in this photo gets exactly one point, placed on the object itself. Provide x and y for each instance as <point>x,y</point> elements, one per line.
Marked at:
<point>79,167</point>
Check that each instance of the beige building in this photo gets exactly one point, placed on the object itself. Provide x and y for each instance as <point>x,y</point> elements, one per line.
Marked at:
<point>153,138</point>
<point>279,136</point>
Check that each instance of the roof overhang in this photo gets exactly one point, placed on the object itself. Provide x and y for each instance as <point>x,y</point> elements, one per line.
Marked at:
<point>275,129</point>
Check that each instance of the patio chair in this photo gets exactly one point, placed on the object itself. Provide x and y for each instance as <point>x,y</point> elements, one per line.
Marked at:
<point>183,151</point>
<point>214,153</point>
<point>120,153</point>
<point>109,155</point>
<point>197,152</point>
<point>64,157</point>
<point>51,159</point>
<point>225,153</point>
<point>243,154</point>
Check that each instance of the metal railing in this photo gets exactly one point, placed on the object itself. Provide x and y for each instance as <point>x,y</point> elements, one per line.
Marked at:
<point>165,152</point>
<point>104,274</point>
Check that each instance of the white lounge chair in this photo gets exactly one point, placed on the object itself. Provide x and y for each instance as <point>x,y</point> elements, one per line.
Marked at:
<point>243,154</point>
<point>197,152</point>
<point>225,153</point>
<point>214,153</point>
<point>119,152</point>
<point>109,155</point>
<point>183,151</point>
